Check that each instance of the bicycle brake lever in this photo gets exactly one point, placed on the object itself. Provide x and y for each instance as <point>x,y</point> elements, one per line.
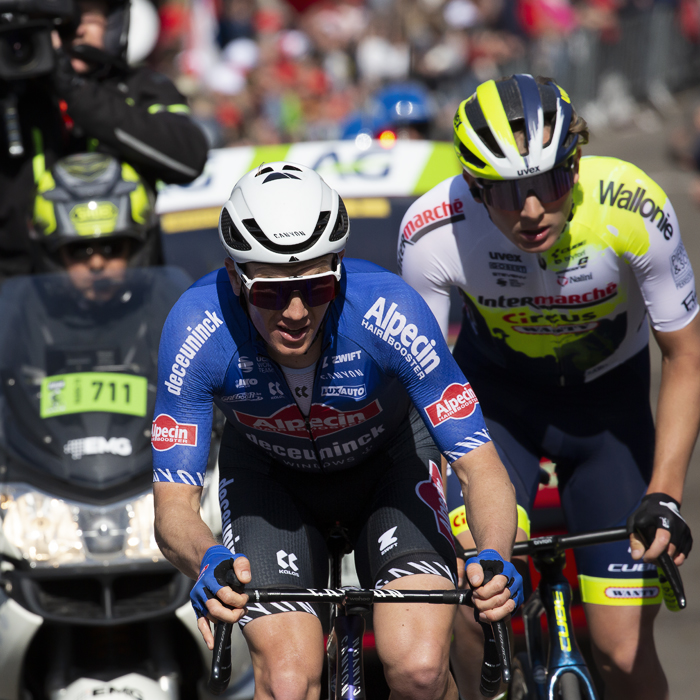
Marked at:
<point>669,577</point>
<point>220,675</point>
<point>671,583</point>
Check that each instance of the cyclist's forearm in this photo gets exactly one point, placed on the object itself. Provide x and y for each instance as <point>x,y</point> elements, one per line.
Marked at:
<point>678,410</point>
<point>677,423</point>
<point>489,498</point>
<point>181,534</point>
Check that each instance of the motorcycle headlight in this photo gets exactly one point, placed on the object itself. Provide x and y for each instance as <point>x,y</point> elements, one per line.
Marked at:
<point>46,530</point>
<point>43,528</point>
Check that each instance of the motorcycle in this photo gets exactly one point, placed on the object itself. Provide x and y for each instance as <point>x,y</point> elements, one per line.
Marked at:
<point>88,604</point>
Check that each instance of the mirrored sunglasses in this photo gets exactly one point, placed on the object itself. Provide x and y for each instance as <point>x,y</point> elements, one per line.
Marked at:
<point>273,293</point>
<point>81,251</point>
<point>511,194</point>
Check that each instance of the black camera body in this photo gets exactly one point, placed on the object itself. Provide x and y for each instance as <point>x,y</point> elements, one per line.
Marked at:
<point>25,35</point>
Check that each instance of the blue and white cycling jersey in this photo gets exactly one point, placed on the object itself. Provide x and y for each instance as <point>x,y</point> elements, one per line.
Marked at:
<point>382,349</point>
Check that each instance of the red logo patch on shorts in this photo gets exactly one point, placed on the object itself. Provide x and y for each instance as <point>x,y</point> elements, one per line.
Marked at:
<point>457,401</point>
<point>431,492</point>
<point>166,433</point>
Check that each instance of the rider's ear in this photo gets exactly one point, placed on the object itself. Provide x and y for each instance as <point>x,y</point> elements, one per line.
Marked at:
<point>475,191</point>
<point>233,276</point>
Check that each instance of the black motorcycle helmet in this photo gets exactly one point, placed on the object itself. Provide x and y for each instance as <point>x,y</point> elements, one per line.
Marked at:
<point>90,196</point>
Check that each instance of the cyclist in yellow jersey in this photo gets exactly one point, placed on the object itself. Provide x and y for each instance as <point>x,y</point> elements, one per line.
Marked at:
<point>563,262</point>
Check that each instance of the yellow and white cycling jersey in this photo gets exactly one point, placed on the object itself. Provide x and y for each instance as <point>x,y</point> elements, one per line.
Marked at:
<point>570,314</point>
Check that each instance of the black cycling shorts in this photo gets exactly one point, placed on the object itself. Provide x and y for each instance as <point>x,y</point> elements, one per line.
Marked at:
<point>600,435</point>
<point>392,507</point>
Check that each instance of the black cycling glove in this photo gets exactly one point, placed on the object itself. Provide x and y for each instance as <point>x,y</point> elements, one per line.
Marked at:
<point>65,79</point>
<point>658,510</point>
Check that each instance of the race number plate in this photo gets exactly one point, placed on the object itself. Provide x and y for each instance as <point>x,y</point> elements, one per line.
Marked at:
<point>82,392</point>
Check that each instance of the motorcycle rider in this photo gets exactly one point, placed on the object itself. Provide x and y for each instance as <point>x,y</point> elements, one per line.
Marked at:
<point>93,101</point>
<point>328,404</point>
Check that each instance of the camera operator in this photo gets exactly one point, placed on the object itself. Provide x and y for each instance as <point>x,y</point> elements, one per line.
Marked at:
<point>91,100</point>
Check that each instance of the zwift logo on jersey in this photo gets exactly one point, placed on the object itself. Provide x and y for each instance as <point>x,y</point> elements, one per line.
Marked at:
<point>432,494</point>
<point>322,420</point>
<point>646,208</point>
<point>166,433</point>
<point>391,327</point>
<point>457,401</point>
<point>192,345</point>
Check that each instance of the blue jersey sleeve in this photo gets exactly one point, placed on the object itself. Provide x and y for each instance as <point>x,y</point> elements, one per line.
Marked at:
<point>397,326</point>
<point>195,349</point>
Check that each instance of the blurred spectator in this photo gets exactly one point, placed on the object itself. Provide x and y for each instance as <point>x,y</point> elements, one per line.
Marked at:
<point>277,71</point>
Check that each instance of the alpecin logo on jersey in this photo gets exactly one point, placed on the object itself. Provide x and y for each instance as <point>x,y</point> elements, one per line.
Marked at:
<point>323,420</point>
<point>457,401</point>
<point>432,494</point>
<point>646,208</point>
<point>390,325</point>
<point>166,433</point>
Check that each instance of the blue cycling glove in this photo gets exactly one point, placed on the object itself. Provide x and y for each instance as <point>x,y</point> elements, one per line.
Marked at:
<point>493,565</point>
<point>212,577</point>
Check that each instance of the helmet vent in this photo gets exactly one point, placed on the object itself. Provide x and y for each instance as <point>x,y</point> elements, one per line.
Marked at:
<point>468,155</point>
<point>291,167</point>
<point>231,234</point>
<point>478,122</point>
<point>279,176</point>
<point>341,223</point>
<point>322,222</point>
<point>264,171</point>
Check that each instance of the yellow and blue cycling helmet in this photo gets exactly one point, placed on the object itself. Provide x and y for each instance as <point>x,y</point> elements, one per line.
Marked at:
<point>485,123</point>
<point>91,195</point>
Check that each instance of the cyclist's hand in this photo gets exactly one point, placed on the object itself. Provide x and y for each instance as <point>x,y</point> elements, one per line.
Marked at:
<point>657,526</point>
<point>211,598</point>
<point>497,586</point>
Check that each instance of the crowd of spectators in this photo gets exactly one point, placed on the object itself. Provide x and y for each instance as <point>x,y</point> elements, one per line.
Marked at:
<point>278,71</point>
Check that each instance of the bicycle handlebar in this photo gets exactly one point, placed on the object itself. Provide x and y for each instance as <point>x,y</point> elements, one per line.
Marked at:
<point>669,576</point>
<point>496,643</point>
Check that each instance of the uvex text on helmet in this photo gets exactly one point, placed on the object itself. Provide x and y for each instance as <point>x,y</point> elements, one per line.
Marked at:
<point>484,125</point>
<point>281,213</point>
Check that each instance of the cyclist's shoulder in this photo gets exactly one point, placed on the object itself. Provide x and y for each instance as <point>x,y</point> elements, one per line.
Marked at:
<point>202,310</point>
<point>620,203</point>
<point>372,299</point>
<point>617,184</point>
<point>444,204</point>
<point>365,280</point>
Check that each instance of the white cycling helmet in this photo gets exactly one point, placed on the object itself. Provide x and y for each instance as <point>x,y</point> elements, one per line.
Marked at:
<point>282,213</point>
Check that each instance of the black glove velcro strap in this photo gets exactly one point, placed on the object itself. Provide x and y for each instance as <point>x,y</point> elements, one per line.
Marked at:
<point>659,511</point>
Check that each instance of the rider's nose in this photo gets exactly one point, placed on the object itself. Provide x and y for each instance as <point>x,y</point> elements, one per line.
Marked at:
<point>532,208</point>
<point>96,263</point>
<point>296,309</point>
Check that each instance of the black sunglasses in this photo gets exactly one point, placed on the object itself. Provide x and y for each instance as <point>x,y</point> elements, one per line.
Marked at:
<point>510,195</point>
<point>81,251</point>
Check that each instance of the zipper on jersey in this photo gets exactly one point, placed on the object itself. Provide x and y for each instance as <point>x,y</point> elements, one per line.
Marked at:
<point>307,424</point>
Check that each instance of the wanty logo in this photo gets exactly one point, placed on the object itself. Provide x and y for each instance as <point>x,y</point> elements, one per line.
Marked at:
<point>626,592</point>
<point>391,327</point>
<point>433,495</point>
<point>457,401</point>
<point>166,433</point>
<point>322,420</point>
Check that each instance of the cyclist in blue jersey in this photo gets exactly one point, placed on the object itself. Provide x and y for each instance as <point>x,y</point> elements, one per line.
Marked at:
<point>563,262</point>
<point>339,396</point>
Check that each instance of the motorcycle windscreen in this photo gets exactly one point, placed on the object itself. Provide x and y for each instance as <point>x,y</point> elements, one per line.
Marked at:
<point>78,365</point>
